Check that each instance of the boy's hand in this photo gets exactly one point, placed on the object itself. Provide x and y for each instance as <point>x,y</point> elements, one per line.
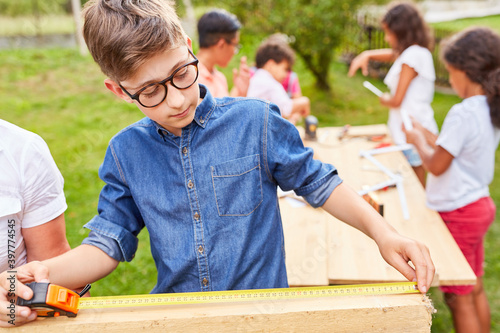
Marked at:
<point>11,286</point>
<point>241,77</point>
<point>398,251</point>
<point>346,205</point>
<point>360,61</point>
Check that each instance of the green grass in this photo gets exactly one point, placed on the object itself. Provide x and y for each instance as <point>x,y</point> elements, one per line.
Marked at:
<point>30,26</point>
<point>490,21</point>
<point>61,96</point>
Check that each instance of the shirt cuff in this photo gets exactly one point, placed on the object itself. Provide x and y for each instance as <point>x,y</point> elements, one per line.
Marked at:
<point>114,240</point>
<point>106,244</point>
<point>318,192</point>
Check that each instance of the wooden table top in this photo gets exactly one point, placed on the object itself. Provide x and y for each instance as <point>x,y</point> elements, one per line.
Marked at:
<point>322,250</point>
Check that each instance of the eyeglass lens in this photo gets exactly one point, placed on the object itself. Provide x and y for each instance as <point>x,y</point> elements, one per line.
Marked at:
<point>156,93</point>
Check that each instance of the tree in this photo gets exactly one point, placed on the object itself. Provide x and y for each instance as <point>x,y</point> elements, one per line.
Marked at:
<point>318,27</point>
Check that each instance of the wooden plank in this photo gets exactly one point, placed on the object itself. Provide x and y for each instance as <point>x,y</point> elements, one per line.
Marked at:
<point>353,257</point>
<point>306,251</point>
<point>387,313</point>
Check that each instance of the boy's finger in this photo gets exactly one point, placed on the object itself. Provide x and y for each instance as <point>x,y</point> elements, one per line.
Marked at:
<point>424,268</point>
<point>431,270</point>
<point>404,268</point>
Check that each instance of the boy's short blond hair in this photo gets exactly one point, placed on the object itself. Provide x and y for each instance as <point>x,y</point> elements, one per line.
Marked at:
<point>123,34</point>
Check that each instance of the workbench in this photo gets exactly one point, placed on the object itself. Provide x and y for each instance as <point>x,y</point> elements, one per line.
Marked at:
<point>321,250</point>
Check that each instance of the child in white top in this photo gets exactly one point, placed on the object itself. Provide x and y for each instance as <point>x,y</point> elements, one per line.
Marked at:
<point>411,77</point>
<point>461,163</point>
<point>274,60</point>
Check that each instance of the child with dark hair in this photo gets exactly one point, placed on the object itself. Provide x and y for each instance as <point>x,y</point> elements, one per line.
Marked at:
<point>291,82</point>
<point>274,60</point>
<point>411,77</point>
<point>461,162</point>
<point>219,36</point>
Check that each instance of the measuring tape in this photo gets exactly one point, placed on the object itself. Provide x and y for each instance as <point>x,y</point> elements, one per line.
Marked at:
<point>247,295</point>
<point>50,300</point>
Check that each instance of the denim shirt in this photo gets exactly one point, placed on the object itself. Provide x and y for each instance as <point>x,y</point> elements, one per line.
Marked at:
<point>208,198</point>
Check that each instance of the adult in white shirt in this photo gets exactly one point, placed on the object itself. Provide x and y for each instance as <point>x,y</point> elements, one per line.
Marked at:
<point>32,201</point>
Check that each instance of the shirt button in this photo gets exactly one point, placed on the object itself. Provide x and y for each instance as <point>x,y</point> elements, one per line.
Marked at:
<point>196,216</point>
<point>202,121</point>
<point>190,184</point>
<point>200,249</point>
<point>184,150</point>
<point>205,282</point>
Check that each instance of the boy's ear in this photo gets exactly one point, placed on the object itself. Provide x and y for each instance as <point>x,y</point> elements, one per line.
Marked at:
<point>221,42</point>
<point>115,89</point>
<point>190,43</point>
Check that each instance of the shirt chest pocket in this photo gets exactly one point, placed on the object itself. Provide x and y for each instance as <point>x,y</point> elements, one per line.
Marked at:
<point>237,186</point>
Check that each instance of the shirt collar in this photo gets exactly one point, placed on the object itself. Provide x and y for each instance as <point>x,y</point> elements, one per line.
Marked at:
<point>205,108</point>
<point>203,111</point>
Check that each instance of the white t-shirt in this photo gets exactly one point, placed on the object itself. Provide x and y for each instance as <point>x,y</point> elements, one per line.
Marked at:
<point>420,92</point>
<point>31,189</point>
<point>263,85</point>
<point>467,134</point>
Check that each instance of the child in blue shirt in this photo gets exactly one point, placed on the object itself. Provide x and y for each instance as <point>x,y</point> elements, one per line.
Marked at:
<point>200,173</point>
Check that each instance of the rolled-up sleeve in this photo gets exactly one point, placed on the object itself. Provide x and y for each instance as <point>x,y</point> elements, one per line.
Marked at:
<point>114,230</point>
<point>292,165</point>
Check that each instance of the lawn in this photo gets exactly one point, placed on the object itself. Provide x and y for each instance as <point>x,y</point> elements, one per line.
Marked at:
<point>490,21</point>
<point>31,26</point>
<point>60,95</point>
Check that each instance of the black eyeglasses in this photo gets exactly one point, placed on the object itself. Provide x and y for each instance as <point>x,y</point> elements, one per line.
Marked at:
<point>155,93</point>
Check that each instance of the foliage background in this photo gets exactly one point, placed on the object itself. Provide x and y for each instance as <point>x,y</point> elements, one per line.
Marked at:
<point>317,27</point>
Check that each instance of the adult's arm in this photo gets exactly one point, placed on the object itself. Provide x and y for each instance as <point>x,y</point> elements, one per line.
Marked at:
<point>46,240</point>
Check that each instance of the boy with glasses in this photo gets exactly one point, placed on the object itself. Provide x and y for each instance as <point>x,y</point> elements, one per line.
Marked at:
<point>219,35</point>
<point>200,173</point>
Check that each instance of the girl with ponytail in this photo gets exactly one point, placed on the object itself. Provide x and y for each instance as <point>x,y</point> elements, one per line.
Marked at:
<point>460,163</point>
